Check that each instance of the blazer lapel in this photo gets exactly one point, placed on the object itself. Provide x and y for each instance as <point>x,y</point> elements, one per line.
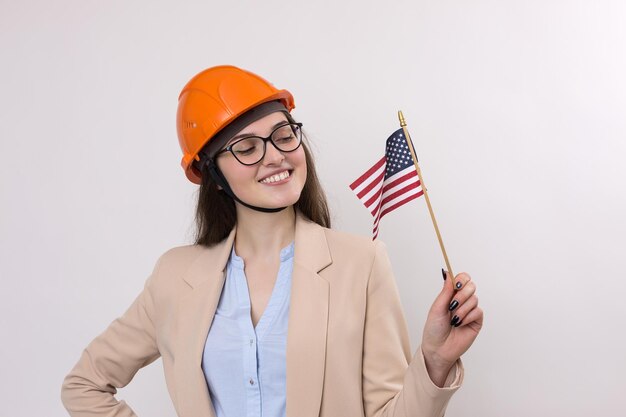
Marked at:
<point>195,314</point>
<point>308,321</point>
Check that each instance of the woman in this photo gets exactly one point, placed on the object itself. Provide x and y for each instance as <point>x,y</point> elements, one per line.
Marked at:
<point>271,312</point>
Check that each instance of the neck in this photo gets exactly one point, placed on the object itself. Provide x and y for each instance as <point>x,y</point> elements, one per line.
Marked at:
<point>263,234</point>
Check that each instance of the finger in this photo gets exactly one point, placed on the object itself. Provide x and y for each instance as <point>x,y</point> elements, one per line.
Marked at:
<point>462,295</point>
<point>461,280</point>
<point>473,319</point>
<point>461,313</point>
<point>441,303</point>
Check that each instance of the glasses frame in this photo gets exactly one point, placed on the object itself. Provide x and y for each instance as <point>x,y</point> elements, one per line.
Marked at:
<point>229,148</point>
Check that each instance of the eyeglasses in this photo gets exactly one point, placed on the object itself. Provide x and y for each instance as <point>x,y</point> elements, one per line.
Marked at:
<point>251,149</point>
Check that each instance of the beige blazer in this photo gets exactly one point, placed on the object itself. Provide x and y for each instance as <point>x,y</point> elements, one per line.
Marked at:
<point>348,348</point>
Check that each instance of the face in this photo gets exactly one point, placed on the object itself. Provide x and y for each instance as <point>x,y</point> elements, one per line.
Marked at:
<point>275,181</point>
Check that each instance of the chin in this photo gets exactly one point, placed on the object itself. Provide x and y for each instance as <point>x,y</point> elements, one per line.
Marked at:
<point>281,198</point>
<point>283,202</point>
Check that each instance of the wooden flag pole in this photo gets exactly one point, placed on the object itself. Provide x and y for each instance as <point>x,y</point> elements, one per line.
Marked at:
<point>419,175</point>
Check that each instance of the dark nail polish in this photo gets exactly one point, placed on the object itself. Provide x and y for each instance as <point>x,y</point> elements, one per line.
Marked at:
<point>458,285</point>
<point>444,274</point>
<point>458,323</point>
<point>454,321</point>
<point>454,304</point>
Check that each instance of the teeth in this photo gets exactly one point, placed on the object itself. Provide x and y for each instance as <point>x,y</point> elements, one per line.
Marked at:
<point>276,177</point>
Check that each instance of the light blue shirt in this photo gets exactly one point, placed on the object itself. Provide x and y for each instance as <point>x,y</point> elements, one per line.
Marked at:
<point>245,366</point>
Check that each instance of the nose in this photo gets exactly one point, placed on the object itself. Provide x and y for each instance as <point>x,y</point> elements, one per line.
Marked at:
<point>272,154</point>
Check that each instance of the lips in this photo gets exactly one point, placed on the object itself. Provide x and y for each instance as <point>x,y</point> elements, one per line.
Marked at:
<point>279,176</point>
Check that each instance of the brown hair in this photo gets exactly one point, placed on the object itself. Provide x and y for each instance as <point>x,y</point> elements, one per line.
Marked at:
<point>216,215</point>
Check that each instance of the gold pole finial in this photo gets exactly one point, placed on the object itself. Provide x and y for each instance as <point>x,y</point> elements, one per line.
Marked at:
<point>401,118</point>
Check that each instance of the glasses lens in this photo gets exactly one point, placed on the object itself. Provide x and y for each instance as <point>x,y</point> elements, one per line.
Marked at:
<point>249,150</point>
<point>287,138</point>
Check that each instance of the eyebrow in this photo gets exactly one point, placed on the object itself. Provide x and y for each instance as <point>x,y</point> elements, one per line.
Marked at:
<point>245,135</point>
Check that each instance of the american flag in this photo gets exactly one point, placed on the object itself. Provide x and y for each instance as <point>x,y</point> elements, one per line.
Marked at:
<point>391,182</point>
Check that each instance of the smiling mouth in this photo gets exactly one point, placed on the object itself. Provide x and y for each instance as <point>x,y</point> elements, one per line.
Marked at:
<point>276,177</point>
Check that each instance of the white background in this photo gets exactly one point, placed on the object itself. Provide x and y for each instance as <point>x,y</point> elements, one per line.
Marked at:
<point>517,110</point>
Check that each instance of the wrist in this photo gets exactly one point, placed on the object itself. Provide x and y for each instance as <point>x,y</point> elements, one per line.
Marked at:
<point>437,368</point>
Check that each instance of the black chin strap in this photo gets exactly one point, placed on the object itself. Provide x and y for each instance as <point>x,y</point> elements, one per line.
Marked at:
<point>219,179</point>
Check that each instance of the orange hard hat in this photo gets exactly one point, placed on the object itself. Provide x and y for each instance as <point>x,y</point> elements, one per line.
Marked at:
<point>212,100</point>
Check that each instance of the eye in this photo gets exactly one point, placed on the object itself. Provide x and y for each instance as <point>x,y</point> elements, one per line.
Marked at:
<point>247,146</point>
<point>284,134</point>
<point>244,151</point>
<point>285,139</point>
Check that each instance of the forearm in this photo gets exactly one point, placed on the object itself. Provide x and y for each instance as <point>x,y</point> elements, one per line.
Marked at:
<point>110,362</point>
<point>84,395</point>
<point>437,371</point>
<point>420,396</point>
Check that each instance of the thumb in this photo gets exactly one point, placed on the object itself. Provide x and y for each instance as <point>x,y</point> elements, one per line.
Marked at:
<point>442,302</point>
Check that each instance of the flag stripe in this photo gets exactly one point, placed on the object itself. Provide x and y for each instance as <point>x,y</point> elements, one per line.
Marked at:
<point>374,189</point>
<point>368,173</point>
<point>398,193</point>
<point>374,185</point>
<point>394,203</point>
<point>409,174</point>
<point>400,186</point>
<point>399,203</point>
<point>390,184</point>
<point>375,198</point>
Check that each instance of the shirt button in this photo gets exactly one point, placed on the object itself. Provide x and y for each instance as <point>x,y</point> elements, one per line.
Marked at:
<point>251,381</point>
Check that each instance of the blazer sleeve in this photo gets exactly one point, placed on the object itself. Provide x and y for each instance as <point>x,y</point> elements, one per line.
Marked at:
<point>393,383</point>
<point>111,360</point>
